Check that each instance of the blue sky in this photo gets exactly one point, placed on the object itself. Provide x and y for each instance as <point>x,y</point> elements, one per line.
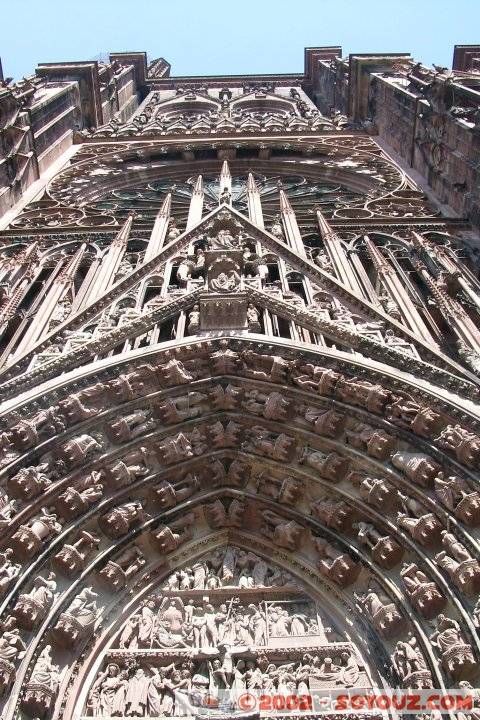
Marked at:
<point>208,37</point>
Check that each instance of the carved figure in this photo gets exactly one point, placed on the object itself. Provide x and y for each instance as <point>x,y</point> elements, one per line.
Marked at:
<point>29,539</point>
<point>167,538</point>
<point>425,529</point>
<point>422,592</point>
<point>32,607</point>
<point>410,665</point>
<point>329,423</point>
<point>338,567</point>
<point>459,564</point>
<point>118,572</point>
<point>332,467</point>
<point>278,447</point>
<point>29,482</point>
<point>385,550</point>
<point>383,613</point>
<point>463,444</point>
<point>42,686</point>
<point>72,559</point>
<point>456,655</point>
<point>377,443</point>
<point>77,622</point>
<point>286,534</point>
<point>120,520</point>
<point>418,467</point>
<point>456,495</point>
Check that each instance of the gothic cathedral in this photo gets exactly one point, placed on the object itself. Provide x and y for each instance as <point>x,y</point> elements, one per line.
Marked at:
<point>240,405</point>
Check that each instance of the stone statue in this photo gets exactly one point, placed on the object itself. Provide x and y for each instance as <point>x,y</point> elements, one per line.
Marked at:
<point>284,533</point>
<point>29,539</point>
<point>127,469</point>
<point>263,442</point>
<point>32,607</point>
<point>42,686</point>
<point>329,423</point>
<point>76,500</point>
<point>312,377</point>
<point>376,443</point>
<point>77,622</point>
<point>78,450</point>
<point>253,319</point>
<point>463,569</point>
<point>422,592</point>
<point>410,666</point>
<point>124,429</point>
<point>8,509</point>
<point>286,491</point>
<point>463,444</point>
<point>335,565</point>
<point>118,572</point>
<point>107,696</point>
<point>29,482</point>
<point>194,320</point>
<point>382,612</point>
<point>332,467</point>
<point>425,529</point>
<point>273,406</point>
<point>423,421</point>
<point>167,538</point>
<point>72,559</point>
<point>8,570</point>
<point>218,515</point>
<point>167,495</point>
<point>12,648</point>
<point>384,549</point>
<point>365,394</point>
<point>456,655</point>
<point>119,521</point>
<point>375,491</point>
<point>418,467</point>
<point>336,514</point>
<point>457,496</point>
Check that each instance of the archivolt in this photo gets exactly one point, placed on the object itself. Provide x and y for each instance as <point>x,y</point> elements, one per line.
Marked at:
<point>248,422</point>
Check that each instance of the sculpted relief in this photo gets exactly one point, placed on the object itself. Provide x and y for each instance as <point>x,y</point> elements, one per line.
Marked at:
<point>226,624</point>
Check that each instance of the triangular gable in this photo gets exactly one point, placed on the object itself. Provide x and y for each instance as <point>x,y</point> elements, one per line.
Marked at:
<point>280,249</point>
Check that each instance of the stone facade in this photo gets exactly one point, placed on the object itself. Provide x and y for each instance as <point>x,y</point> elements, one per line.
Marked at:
<point>239,354</point>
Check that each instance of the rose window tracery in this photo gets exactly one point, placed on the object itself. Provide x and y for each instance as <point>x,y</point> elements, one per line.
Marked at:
<point>304,194</point>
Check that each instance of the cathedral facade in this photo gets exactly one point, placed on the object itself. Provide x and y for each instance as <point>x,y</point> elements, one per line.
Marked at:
<point>240,406</point>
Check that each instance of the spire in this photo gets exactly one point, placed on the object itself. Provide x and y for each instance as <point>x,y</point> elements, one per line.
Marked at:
<point>159,232</point>
<point>225,194</point>
<point>122,236</point>
<point>254,203</point>
<point>196,204</point>
<point>67,274</point>
<point>341,264</point>
<point>290,225</point>
<point>326,231</point>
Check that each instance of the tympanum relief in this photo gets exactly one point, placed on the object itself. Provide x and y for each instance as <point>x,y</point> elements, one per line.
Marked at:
<point>230,622</point>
